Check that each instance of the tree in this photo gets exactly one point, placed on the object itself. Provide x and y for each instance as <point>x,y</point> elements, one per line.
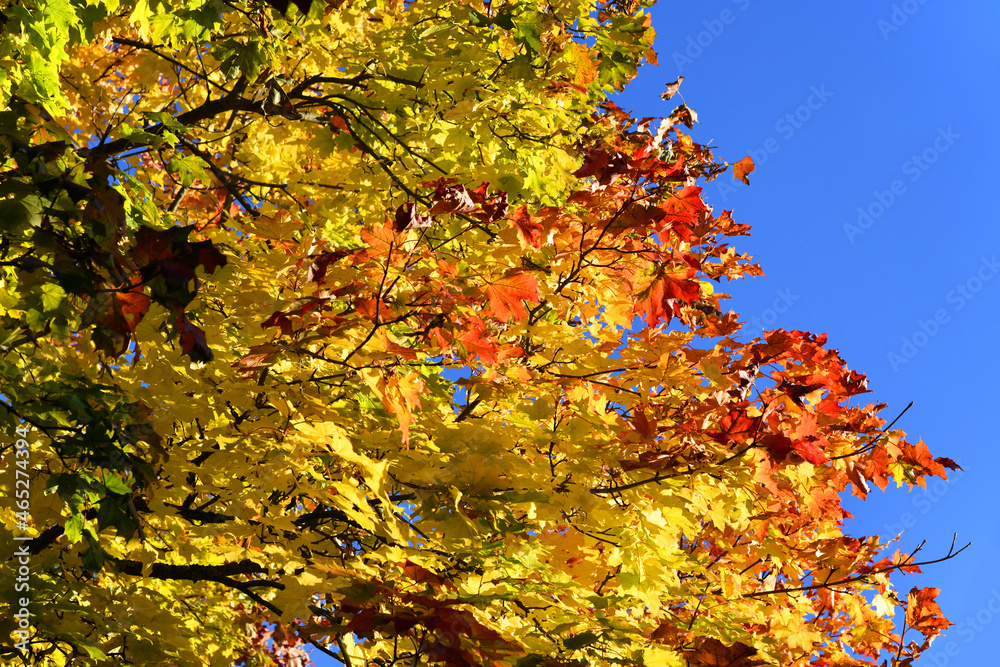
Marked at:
<point>381,329</point>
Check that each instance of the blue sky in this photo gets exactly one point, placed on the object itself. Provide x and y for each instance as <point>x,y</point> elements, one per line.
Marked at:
<point>874,218</point>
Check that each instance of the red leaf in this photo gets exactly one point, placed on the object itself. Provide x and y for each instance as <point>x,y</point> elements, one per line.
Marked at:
<point>317,272</point>
<point>193,341</point>
<point>684,206</point>
<point>738,427</point>
<point>809,450</point>
<point>127,310</point>
<point>363,623</point>
<point>505,295</point>
<point>408,218</point>
<point>642,424</point>
<point>257,357</point>
<point>279,320</point>
<point>778,445</point>
<point>205,254</point>
<point>529,230</point>
<point>475,343</point>
<point>152,245</point>
<point>604,166</point>
<point>494,209</point>
<point>713,653</point>
<point>649,460</point>
<point>167,252</point>
<point>797,391</point>
<point>452,200</point>
<point>658,302</point>
<point>947,463</point>
<point>421,574</point>
<point>339,123</point>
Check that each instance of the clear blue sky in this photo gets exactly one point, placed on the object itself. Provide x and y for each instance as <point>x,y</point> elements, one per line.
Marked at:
<point>890,108</point>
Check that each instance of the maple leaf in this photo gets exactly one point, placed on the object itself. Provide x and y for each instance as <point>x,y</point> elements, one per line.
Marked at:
<point>127,309</point>
<point>659,301</point>
<point>736,426</point>
<point>528,228</point>
<point>604,166</point>
<point>672,88</point>
<point>797,391</point>
<point>407,217</point>
<point>490,208</point>
<point>684,210</point>
<point>257,357</point>
<point>713,653</point>
<point>280,320</point>
<point>742,169</point>
<point>725,324</point>
<point>477,343</point>
<point>452,200</point>
<point>683,114</point>
<point>193,341</point>
<point>645,427</point>
<point>947,463</point>
<point>506,294</point>
<point>778,445</point>
<point>649,461</point>
<point>923,613</point>
<point>321,262</point>
<point>423,575</point>
<point>809,449</point>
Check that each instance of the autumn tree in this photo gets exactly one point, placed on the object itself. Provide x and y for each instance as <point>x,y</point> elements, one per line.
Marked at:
<point>380,330</point>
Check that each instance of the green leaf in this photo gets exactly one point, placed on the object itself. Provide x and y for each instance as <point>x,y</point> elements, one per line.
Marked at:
<point>115,484</point>
<point>60,482</point>
<point>579,641</point>
<point>74,528</point>
<point>166,120</point>
<point>529,27</point>
<point>92,649</point>
<point>110,512</point>
<point>52,296</point>
<point>93,557</point>
<point>14,216</point>
<point>504,19</point>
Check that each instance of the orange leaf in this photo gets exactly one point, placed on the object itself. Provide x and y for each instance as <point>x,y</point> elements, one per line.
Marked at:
<point>505,295</point>
<point>923,614</point>
<point>742,169</point>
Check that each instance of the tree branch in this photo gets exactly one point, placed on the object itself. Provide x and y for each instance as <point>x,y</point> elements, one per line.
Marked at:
<point>859,577</point>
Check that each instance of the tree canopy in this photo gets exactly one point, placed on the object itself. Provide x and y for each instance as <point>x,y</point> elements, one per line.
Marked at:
<point>380,329</point>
